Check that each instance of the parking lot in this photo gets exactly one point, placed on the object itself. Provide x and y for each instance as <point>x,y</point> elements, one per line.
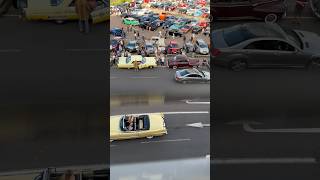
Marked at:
<point>143,34</point>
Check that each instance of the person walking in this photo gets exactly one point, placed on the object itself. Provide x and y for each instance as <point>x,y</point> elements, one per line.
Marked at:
<point>165,34</point>
<point>184,39</point>
<point>160,34</point>
<point>136,66</point>
<point>162,60</point>
<point>83,10</point>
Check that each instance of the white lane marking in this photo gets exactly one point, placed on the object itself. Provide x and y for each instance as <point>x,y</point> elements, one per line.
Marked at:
<point>85,50</point>
<point>198,125</point>
<point>246,126</point>
<point>168,140</point>
<point>191,102</point>
<point>111,145</point>
<point>9,50</point>
<point>187,112</point>
<point>143,77</point>
<point>37,171</point>
<point>303,160</point>
<point>114,77</point>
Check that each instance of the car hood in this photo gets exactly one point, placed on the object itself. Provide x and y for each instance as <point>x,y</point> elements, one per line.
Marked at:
<point>156,121</point>
<point>122,60</point>
<point>218,40</point>
<point>310,41</point>
<point>207,74</point>
<point>150,60</point>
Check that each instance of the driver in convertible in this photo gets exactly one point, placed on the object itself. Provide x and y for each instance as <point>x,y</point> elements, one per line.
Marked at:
<point>131,120</point>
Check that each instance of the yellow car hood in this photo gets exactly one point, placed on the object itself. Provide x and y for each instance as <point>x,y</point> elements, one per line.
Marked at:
<point>115,125</point>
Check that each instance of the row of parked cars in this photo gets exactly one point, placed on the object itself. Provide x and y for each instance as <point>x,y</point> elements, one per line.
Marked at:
<point>155,42</point>
<point>175,25</point>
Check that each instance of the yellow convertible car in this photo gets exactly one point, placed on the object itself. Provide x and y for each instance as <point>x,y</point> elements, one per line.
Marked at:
<point>137,126</point>
<point>61,10</point>
<point>144,62</point>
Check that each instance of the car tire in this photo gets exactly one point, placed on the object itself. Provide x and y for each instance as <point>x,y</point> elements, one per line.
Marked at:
<point>174,67</point>
<point>271,18</point>
<point>59,21</point>
<point>195,66</point>
<point>238,65</point>
<point>150,67</point>
<point>149,137</point>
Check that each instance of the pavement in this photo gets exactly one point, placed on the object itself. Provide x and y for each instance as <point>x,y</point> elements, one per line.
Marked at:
<point>267,120</point>
<point>53,95</point>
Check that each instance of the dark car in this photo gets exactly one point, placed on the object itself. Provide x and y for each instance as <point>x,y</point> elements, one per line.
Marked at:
<point>114,44</point>
<point>183,61</point>
<point>176,32</point>
<point>268,10</point>
<point>265,45</point>
<point>132,46</point>
<point>196,29</point>
<point>315,6</point>
<point>192,75</point>
<point>172,48</point>
<point>168,23</point>
<point>116,32</point>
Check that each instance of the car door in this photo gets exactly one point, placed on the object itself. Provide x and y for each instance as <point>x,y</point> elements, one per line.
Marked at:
<point>261,53</point>
<point>287,55</point>
<point>194,78</point>
<point>184,63</point>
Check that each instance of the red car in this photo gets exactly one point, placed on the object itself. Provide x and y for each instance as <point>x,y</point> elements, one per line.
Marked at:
<point>203,24</point>
<point>268,10</point>
<point>182,61</point>
<point>173,48</point>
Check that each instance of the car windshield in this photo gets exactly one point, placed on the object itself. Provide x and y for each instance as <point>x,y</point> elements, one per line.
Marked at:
<point>114,42</point>
<point>149,46</point>
<point>202,45</point>
<point>233,36</point>
<point>131,44</point>
<point>184,72</point>
<point>128,59</point>
<point>293,36</point>
<point>174,45</point>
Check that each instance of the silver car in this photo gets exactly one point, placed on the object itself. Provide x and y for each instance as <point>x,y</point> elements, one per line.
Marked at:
<point>149,47</point>
<point>192,75</point>
<point>201,47</point>
<point>265,45</point>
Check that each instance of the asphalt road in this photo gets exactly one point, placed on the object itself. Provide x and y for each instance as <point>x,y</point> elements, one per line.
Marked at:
<point>53,95</point>
<point>266,121</point>
<point>181,142</point>
<point>158,81</point>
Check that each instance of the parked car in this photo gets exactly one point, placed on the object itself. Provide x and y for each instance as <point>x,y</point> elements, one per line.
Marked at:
<point>183,61</point>
<point>132,46</point>
<point>173,48</point>
<point>176,32</point>
<point>265,45</point>
<point>192,75</point>
<point>116,32</point>
<point>201,47</point>
<point>130,21</point>
<point>196,29</point>
<point>186,28</point>
<point>189,47</point>
<point>267,10</point>
<point>149,48</point>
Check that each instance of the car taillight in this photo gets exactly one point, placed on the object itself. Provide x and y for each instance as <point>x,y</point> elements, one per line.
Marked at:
<point>216,52</point>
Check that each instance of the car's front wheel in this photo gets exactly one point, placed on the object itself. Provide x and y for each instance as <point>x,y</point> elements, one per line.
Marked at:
<point>149,137</point>
<point>238,65</point>
<point>174,67</point>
